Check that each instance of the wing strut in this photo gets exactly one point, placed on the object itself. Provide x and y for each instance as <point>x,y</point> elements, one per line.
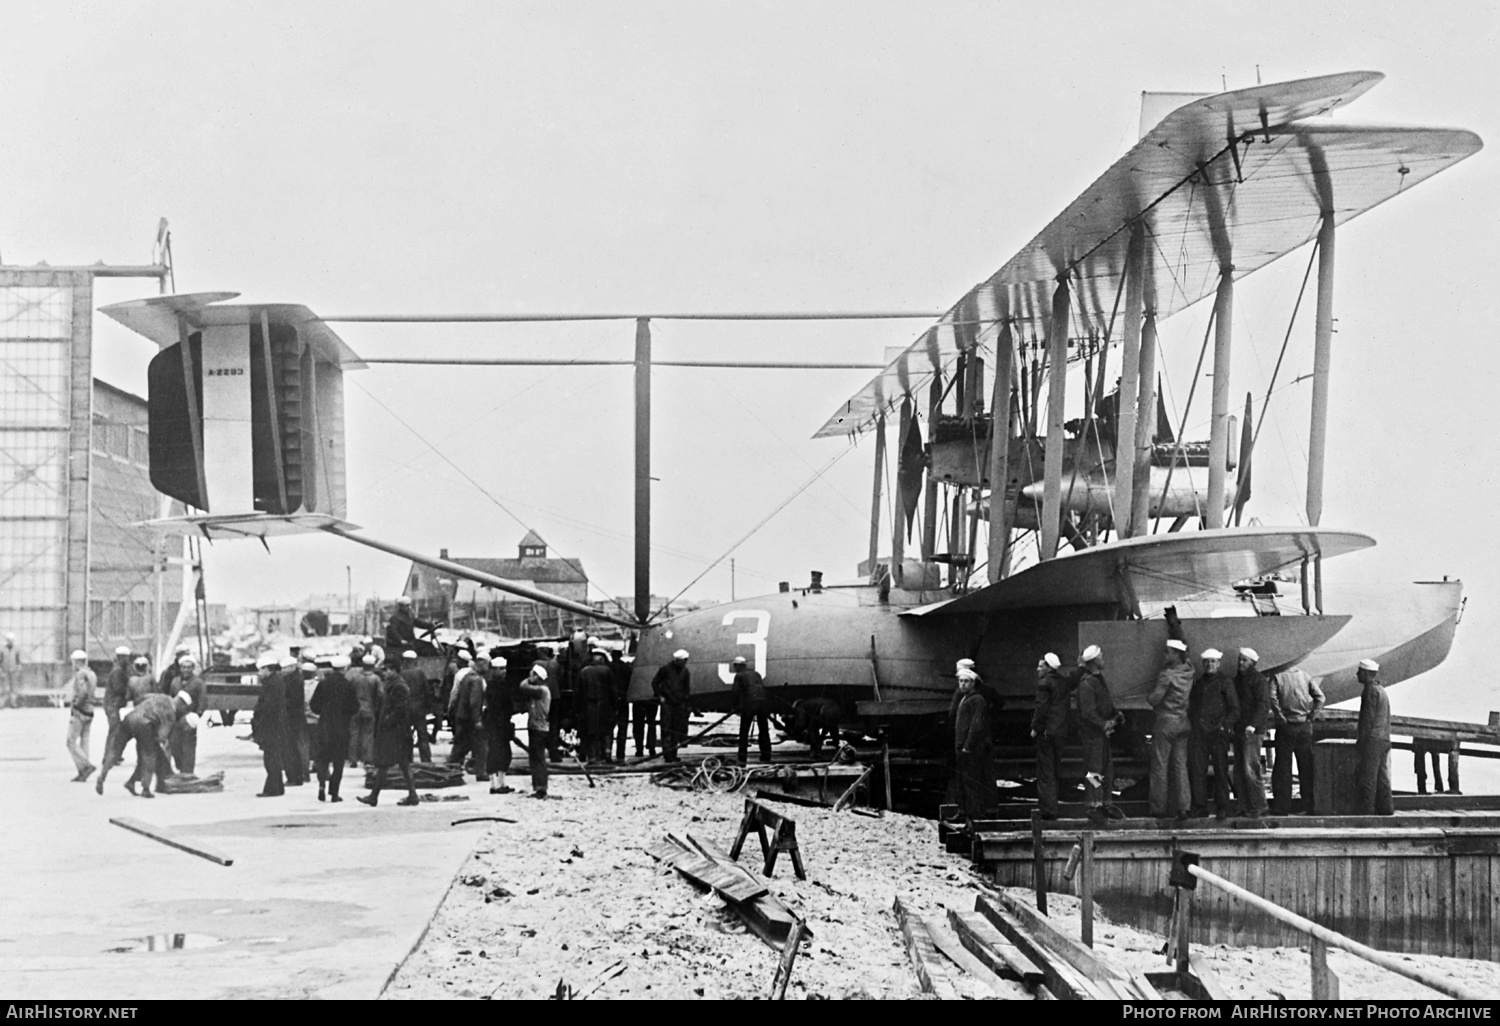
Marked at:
<point>490,580</point>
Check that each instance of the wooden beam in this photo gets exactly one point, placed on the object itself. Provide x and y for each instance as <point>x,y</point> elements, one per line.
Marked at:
<point>930,971</point>
<point>156,833</point>
<point>1059,977</point>
<point>989,946</point>
<point>1075,954</point>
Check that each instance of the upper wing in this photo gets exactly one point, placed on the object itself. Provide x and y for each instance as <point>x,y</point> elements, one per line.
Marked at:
<point>1238,179</point>
<point>1158,568</point>
<point>162,319</point>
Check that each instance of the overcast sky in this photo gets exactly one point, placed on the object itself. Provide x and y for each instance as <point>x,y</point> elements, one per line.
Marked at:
<point>367,158</point>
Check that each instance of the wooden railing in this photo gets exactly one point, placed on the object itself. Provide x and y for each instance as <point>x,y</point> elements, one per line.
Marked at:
<point>1185,876</point>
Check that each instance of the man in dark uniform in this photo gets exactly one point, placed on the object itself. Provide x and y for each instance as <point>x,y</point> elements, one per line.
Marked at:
<point>673,684</point>
<point>185,732</point>
<point>752,702</point>
<point>401,630</point>
<point>142,682</point>
<point>150,725</point>
<point>335,703</point>
<point>294,749</point>
<point>620,679</point>
<point>1097,720</point>
<point>574,658</point>
<point>1372,743</point>
<point>1171,786</point>
<point>643,726</point>
<point>974,747</point>
<point>268,726</point>
<point>1296,700</point>
<point>167,685</point>
<point>362,726</point>
<point>596,686</point>
<point>1253,691</point>
<point>117,695</point>
<point>393,742</point>
<point>1049,726</point>
<point>815,720</point>
<point>468,718</point>
<point>1213,710</point>
<point>420,689</point>
<point>499,707</point>
<point>546,658</point>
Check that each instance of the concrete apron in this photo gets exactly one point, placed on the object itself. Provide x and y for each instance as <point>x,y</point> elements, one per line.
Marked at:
<point>322,900</point>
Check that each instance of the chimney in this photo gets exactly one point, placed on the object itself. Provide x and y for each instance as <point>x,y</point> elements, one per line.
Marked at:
<point>817,581</point>
<point>442,553</point>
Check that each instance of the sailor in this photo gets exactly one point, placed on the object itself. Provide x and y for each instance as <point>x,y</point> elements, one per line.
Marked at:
<point>421,699</point>
<point>1296,700</point>
<point>620,680</point>
<point>336,704</point>
<point>673,685</point>
<point>815,720</point>
<point>575,656</point>
<point>1097,721</point>
<point>149,724</point>
<point>362,726</point>
<point>1049,726</point>
<point>596,690</point>
<point>117,694</point>
<point>184,739</point>
<point>1171,790</point>
<point>643,726</point>
<point>142,683</point>
<point>393,742</point>
<point>752,702</point>
<point>498,709</point>
<point>538,697</point>
<point>168,683</point>
<point>401,630</point>
<point>546,658</point>
<point>1213,710</point>
<point>268,724</point>
<point>82,685</point>
<point>467,717</point>
<point>294,749</point>
<point>1421,749</point>
<point>974,748</point>
<point>10,672</point>
<point>1253,691</point>
<point>1372,744</point>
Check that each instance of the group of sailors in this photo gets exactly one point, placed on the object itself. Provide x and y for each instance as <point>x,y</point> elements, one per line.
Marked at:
<point>1215,716</point>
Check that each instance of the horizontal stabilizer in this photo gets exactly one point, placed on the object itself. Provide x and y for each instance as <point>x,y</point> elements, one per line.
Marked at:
<point>1160,568</point>
<point>248,525</point>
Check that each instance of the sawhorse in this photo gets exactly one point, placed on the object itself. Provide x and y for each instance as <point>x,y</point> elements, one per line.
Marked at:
<point>783,836</point>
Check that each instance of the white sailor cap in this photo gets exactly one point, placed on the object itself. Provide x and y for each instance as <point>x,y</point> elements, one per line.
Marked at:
<point>681,653</point>
<point>408,654</point>
<point>1250,654</point>
<point>182,649</point>
<point>964,664</point>
<point>186,698</point>
<point>1212,653</point>
<point>287,662</point>
<point>265,659</point>
<point>464,656</point>
<point>188,660</point>
<point>739,661</point>
<point>123,650</point>
<point>79,653</point>
<point>309,667</point>
<point>404,600</point>
<point>339,662</point>
<point>498,662</point>
<point>1092,652</point>
<point>540,672</point>
<point>1051,660</point>
<point>593,642</point>
<point>142,661</point>
<point>368,660</point>
<point>967,675</point>
<point>1369,664</point>
<point>1180,646</point>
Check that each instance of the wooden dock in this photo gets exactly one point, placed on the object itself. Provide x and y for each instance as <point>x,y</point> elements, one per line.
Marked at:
<point>1421,883</point>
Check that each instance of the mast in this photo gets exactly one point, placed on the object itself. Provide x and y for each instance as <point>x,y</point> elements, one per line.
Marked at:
<point>1057,385</point>
<point>642,469</point>
<point>1218,438</point>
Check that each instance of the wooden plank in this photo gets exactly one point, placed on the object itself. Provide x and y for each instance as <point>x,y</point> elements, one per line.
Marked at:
<point>784,965</point>
<point>1079,957</point>
<point>925,959</point>
<point>1207,984</point>
<point>1062,977</point>
<point>990,946</point>
<point>946,941</point>
<point>1483,902</point>
<point>790,799</point>
<point>156,833</point>
<point>1463,906</point>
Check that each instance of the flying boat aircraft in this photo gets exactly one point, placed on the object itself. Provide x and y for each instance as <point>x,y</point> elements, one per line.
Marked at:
<point>247,427</point>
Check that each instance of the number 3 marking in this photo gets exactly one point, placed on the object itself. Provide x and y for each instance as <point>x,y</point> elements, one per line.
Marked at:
<point>757,638</point>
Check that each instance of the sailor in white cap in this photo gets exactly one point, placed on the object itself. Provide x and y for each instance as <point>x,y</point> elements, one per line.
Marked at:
<point>401,629</point>
<point>597,695</point>
<point>296,754</point>
<point>1097,721</point>
<point>83,682</point>
<point>335,704</point>
<point>498,709</point>
<point>1050,727</point>
<point>10,671</point>
<point>538,701</point>
<point>1372,743</point>
<point>167,685</point>
<point>362,727</point>
<point>420,702</point>
<point>1253,690</point>
<point>1214,710</point>
<point>974,750</point>
<point>392,742</point>
<point>673,685</point>
<point>1171,786</point>
<point>184,740</point>
<point>268,721</point>
<point>116,694</point>
<point>466,714</point>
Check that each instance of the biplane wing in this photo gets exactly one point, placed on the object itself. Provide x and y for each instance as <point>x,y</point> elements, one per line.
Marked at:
<point>1233,180</point>
<point>1156,568</point>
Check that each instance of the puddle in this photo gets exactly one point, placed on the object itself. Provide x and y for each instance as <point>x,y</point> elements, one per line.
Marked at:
<point>165,942</point>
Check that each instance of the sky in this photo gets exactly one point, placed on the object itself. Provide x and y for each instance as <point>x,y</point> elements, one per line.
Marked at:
<point>676,156</point>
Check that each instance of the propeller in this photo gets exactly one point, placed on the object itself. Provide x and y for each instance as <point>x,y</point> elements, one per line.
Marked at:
<point>1247,446</point>
<point>910,469</point>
